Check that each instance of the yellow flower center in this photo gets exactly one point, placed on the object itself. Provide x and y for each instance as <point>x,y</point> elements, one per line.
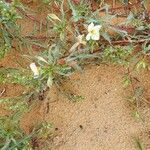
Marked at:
<point>93,31</point>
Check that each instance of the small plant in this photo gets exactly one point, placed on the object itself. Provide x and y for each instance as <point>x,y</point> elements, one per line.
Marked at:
<point>79,9</point>
<point>75,98</point>
<point>71,35</point>
<point>118,54</point>
<point>138,144</point>
<point>8,27</point>
<point>12,137</point>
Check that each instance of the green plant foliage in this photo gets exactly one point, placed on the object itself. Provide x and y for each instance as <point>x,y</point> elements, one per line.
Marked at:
<point>8,12</point>
<point>79,10</point>
<point>118,54</point>
<point>138,144</point>
<point>8,27</point>
<point>11,135</point>
<point>71,35</point>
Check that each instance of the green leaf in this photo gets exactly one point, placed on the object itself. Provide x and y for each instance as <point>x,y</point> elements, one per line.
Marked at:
<point>138,144</point>
<point>106,36</point>
<point>53,16</point>
<point>136,115</point>
<point>141,64</point>
<point>41,59</point>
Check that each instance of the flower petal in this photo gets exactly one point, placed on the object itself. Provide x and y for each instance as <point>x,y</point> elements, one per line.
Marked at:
<point>95,36</point>
<point>97,27</point>
<point>90,27</point>
<point>34,70</point>
<point>88,37</point>
<point>80,38</point>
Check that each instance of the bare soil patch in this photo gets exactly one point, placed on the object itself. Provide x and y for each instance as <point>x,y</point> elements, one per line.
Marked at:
<point>102,121</point>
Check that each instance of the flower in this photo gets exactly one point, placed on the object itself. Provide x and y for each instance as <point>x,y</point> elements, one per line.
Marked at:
<point>93,32</point>
<point>80,39</point>
<point>34,70</point>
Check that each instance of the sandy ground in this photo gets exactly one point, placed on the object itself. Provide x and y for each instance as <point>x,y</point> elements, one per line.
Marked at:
<point>102,121</point>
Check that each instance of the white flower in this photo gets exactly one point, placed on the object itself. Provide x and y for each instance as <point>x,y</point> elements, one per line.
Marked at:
<point>80,39</point>
<point>34,70</point>
<point>93,32</point>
